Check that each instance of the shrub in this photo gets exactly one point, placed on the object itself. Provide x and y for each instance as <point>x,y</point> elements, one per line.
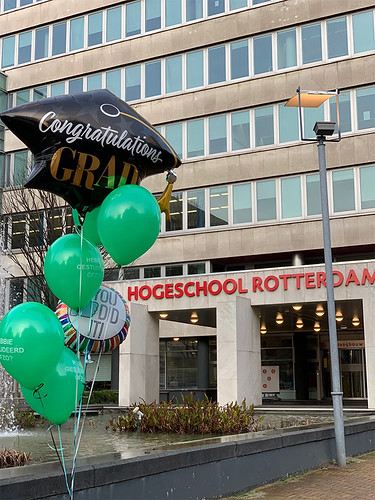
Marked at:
<point>105,396</point>
<point>190,417</point>
<point>26,418</point>
<point>13,458</point>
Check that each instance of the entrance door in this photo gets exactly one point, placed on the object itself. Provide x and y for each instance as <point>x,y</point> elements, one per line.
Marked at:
<point>352,364</point>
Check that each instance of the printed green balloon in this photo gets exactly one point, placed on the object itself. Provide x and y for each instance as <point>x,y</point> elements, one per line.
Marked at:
<point>60,392</point>
<point>31,342</point>
<point>90,225</point>
<point>74,270</point>
<point>128,223</point>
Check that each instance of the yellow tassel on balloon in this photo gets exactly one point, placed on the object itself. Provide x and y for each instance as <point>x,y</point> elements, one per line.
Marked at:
<point>164,200</point>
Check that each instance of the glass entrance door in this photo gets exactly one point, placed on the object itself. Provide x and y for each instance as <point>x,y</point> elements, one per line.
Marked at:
<point>352,364</point>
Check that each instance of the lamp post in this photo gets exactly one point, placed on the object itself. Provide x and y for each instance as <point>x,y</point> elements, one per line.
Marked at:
<point>322,130</point>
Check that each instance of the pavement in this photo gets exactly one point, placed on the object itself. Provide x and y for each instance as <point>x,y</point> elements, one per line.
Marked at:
<point>356,481</point>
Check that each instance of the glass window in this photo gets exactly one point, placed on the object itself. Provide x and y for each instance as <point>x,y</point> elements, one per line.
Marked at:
<point>133,82</point>
<point>173,70</point>
<point>34,290</point>
<point>217,134</point>
<point>77,33</point>
<point>194,9</point>
<point>242,204</point>
<point>194,69</point>
<point>133,18</point>
<point>9,5</point>
<point>41,43</point>
<point>181,364</point>
<point>216,64</point>
<point>310,117</point>
<point>363,31</point>
<point>172,12</point>
<point>54,224</point>
<point>22,97</point>
<point>240,130</point>
<point>152,272</point>
<point>20,168</point>
<point>16,288</point>
<point>237,4</point>
<point>173,134</point>
<point>113,24</point>
<point>26,2</point>
<point>153,15</point>
<point>239,59</point>
<point>262,54</point>
<point>266,200</point>
<point>35,229</point>
<point>39,93</point>
<point>337,38</point>
<point>174,270</point>
<point>24,47</point>
<point>314,206</point>
<point>18,230</point>
<point>288,124</point>
<point>58,39</point>
<point>311,43</point>
<point>195,138</point>
<point>291,197</point>
<point>344,109</point>
<point>95,35</point>
<point>113,82</point>
<point>219,206</point>
<point>256,2</point>
<point>7,57</point>
<point>264,126</point>
<point>153,79</point>
<point>175,208</point>
<point>367,177</point>
<point>215,7</point>
<point>196,208</point>
<point>76,85</point>
<point>196,268</point>
<point>343,190</point>
<point>286,49</point>
<point>94,82</point>
<point>366,108</point>
<point>57,89</point>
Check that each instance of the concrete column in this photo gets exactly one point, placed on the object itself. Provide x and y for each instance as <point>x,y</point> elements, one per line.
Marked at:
<point>139,359</point>
<point>238,352</point>
<point>369,334</point>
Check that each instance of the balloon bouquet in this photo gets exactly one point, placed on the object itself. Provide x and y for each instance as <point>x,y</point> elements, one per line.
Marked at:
<point>93,150</point>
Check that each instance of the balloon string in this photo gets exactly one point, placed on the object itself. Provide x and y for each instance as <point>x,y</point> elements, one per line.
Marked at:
<point>70,491</point>
<point>61,459</point>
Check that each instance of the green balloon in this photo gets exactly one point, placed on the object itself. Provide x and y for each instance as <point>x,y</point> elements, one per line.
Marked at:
<point>128,223</point>
<point>74,270</point>
<point>31,342</point>
<point>60,392</point>
<point>90,225</point>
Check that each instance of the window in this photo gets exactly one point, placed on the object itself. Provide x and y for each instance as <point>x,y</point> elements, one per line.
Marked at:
<point>194,9</point>
<point>173,134</point>
<point>196,268</point>
<point>266,200</point>
<point>343,190</point>
<point>39,93</point>
<point>218,206</point>
<point>57,89</point>
<point>41,43</point>
<point>367,178</point>
<point>291,205</point>
<point>313,194</point>
<point>344,109</point>
<point>216,64</point>
<point>239,59</point>
<point>196,208</point>
<point>288,124</point>
<point>94,82</point>
<point>286,49</point>
<point>173,70</point>
<point>7,57</point>
<point>22,97</point>
<point>133,18</point>
<point>24,47</point>
<point>175,207</point>
<point>153,15</point>
<point>237,4</point>
<point>264,126</point>
<point>178,364</point>
<point>58,39</point>
<point>310,117</point>
<point>133,82</point>
<point>76,33</point>
<point>174,270</point>
<point>152,272</point>
<point>16,289</point>
<point>35,229</point>
<point>113,24</point>
<point>363,32</point>
<point>336,38</point>
<point>95,29</point>
<point>215,7</point>
<point>153,79</point>
<point>54,224</point>
<point>262,48</point>
<point>76,85</point>
<point>217,134</point>
<point>172,12</point>
<point>242,205</point>
<point>113,82</point>
<point>365,108</point>
<point>240,130</point>
<point>9,5</point>
<point>18,231</point>
<point>194,69</point>
<point>20,168</point>
<point>195,138</point>
<point>311,43</point>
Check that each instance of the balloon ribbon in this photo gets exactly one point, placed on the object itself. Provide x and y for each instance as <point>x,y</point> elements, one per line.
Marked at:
<point>164,200</point>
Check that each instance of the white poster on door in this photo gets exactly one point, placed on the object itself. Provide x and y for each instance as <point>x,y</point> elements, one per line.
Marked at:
<point>270,379</point>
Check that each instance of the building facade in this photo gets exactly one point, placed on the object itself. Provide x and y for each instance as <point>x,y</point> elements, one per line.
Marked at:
<point>234,287</point>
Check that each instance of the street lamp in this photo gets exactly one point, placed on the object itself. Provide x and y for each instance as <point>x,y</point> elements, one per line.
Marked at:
<point>313,99</point>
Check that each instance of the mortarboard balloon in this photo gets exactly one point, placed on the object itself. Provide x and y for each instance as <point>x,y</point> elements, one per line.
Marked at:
<point>87,144</point>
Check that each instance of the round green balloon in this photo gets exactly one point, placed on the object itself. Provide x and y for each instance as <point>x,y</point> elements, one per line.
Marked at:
<point>58,395</point>
<point>128,223</point>
<point>90,225</point>
<point>31,342</point>
<point>74,270</point>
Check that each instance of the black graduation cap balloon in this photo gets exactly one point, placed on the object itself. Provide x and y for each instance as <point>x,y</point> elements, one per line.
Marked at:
<point>87,144</point>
